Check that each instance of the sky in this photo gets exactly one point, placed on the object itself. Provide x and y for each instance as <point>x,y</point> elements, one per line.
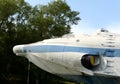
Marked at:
<point>94,14</point>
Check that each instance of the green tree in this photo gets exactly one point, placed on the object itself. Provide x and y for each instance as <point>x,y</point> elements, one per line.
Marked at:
<point>54,19</point>
<point>10,27</point>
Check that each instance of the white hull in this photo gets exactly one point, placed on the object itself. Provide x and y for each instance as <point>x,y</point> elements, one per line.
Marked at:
<point>73,56</point>
<point>56,65</point>
<point>70,64</point>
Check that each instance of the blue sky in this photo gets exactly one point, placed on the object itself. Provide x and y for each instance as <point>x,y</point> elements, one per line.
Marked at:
<point>95,14</point>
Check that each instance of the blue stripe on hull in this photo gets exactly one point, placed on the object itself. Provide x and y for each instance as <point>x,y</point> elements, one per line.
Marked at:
<point>58,48</point>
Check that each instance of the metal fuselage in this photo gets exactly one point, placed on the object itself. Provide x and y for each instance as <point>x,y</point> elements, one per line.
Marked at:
<point>74,55</point>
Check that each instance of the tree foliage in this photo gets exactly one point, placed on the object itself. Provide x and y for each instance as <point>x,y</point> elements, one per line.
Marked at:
<point>56,18</point>
<point>22,23</point>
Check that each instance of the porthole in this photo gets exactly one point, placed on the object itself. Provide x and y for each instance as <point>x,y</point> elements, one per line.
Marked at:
<point>77,40</point>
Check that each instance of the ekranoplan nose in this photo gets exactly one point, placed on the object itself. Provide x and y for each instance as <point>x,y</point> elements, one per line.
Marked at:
<point>18,49</point>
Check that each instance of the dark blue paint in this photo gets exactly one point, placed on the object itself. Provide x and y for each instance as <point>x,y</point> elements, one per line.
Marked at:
<point>93,79</point>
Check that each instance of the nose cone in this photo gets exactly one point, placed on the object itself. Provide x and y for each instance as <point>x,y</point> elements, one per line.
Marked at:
<point>18,49</point>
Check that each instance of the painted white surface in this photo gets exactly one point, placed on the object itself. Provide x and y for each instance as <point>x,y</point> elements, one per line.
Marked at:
<point>69,63</point>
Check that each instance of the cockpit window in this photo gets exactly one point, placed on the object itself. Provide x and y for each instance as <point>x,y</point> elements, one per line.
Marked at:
<point>18,51</point>
<point>24,51</point>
